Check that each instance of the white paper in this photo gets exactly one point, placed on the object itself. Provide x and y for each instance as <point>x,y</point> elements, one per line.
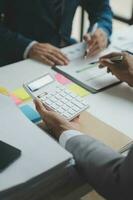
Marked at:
<point>81,69</point>
<point>75,51</point>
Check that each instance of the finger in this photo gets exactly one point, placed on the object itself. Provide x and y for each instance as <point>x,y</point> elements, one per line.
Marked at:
<point>113,68</point>
<point>108,70</point>
<point>43,48</point>
<point>51,58</point>
<point>58,51</point>
<point>101,66</point>
<point>62,54</point>
<point>111,55</point>
<point>105,63</point>
<point>92,43</point>
<point>54,59</point>
<point>40,56</point>
<point>109,64</point>
<point>47,61</point>
<point>93,46</point>
<point>95,50</point>
<point>40,107</point>
<point>90,49</point>
<point>87,37</point>
<point>60,58</point>
<point>76,119</point>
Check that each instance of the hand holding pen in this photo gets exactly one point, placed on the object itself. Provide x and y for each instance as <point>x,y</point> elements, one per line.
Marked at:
<point>121,67</point>
<point>96,40</point>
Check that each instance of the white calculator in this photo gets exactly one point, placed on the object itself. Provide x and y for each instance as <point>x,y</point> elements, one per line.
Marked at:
<point>56,96</point>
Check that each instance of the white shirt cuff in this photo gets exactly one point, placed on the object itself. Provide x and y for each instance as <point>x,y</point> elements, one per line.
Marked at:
<point>28,48</point>
<point>66,135</point>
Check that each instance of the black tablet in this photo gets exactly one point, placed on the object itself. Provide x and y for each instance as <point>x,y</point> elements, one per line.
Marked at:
<point>8,154</point>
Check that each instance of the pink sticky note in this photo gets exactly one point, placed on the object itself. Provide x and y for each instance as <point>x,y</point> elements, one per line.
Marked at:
<point>15,99</point>
<point>62,79</point>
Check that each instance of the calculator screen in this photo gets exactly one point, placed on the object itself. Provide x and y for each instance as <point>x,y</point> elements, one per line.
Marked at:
<point>37,84</point>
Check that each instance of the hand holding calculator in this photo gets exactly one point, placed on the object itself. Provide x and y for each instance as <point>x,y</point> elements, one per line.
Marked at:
<point>56,96</point>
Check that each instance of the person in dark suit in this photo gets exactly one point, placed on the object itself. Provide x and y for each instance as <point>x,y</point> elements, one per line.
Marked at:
<point>37,29</point>
<point>107,171</point>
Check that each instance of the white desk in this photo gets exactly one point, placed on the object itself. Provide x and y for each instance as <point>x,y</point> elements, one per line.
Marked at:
<point>40,153</point>
<point>113,106</point>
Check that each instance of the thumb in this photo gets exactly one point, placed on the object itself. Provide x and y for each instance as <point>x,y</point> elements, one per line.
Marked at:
<point>107,63</point>
<point>87,37</point>
<point>40,107</point>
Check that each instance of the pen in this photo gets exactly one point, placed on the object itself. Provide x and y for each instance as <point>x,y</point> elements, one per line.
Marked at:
<point>95,26</point>
<point>115,59</point>
<point>129,52</point>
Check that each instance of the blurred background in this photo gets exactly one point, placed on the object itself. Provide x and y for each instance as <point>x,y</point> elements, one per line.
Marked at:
<point>123,16</point>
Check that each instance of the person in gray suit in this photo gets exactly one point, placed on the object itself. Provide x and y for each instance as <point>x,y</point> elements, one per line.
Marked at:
<point>107,171</point>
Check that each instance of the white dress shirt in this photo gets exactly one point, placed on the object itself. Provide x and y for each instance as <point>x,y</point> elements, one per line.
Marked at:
<point>66,135</point>
<point>28,48</point>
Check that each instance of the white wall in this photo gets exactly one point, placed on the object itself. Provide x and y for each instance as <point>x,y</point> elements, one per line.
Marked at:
<point>120,7</point>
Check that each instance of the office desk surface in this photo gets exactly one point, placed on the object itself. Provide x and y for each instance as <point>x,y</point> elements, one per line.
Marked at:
<point>113,106</point>
<point>40,153</point>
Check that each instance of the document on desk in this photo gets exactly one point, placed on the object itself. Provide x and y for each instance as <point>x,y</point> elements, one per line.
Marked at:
<point>85,72</point>
<point>40,152</point>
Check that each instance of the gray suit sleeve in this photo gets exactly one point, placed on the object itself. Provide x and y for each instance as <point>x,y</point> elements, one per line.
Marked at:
<point>107,171</point>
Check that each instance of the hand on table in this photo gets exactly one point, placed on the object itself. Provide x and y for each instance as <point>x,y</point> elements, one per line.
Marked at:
<point>55,122</point>
<point>96,42</point>
<point>48,54</point>
<point>124,70</point>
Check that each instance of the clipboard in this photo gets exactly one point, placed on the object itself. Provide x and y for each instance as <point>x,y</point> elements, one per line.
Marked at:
<point>85,72</point>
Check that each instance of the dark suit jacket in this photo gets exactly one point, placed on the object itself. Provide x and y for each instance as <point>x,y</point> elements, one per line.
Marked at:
<point>107,171</point>
<point>28,20</point>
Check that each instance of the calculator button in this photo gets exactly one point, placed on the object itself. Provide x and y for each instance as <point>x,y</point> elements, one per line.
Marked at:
<point>68,98</point>
<point>58,96</point>
<point>67,115</point>
<point>79,99</point>
<point>53,105</point>
<point>65,101</point>
<point>58,90</point>
<point>43,98</point>
<point>61,87</point>
<point>48,102</point>
<point>63,94</point>
<point>73,95</point>
<point>85,102</point>
<point>67,91</point>
<point>72,112</point>
<point>78,104</point>
<point>60,110</point>
<point>56,108</point>
<point>59,103</point>
<point>53,99</point>
<point>76,108</point>
<point>54,93</point>
<point>65,107</point>
<point>42,95</point>
<point>69,104</point>
<point>49,96</point>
